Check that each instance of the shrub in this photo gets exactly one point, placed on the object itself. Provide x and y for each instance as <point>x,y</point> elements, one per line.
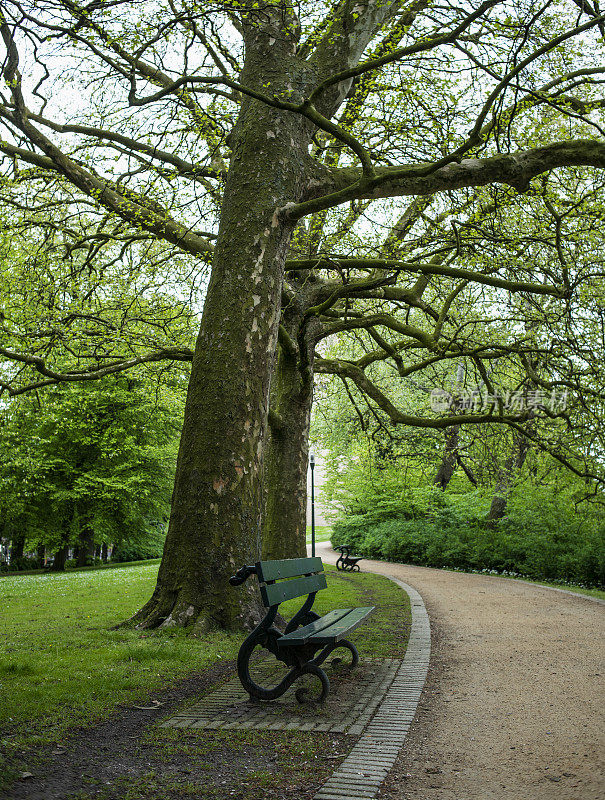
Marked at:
<point>538,540</point>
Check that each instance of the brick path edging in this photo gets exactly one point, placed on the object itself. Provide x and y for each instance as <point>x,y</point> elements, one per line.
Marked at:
<point>362,772</point>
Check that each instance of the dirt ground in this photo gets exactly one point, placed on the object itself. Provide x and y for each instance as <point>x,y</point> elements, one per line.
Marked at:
<point>514,703</point>
<point>128,758</point>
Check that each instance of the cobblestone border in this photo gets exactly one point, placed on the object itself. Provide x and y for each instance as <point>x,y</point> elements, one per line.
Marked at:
<point>360,775</point>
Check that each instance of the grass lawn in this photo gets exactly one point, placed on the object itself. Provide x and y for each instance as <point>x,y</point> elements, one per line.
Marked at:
<point>569,588</point>
<point>61,665</point>
<point>323,533</point>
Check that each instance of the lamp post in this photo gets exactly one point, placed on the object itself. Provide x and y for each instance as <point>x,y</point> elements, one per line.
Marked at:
<point>312,465</point>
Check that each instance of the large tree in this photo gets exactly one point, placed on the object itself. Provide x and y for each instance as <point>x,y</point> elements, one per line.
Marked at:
<point>145,108</point>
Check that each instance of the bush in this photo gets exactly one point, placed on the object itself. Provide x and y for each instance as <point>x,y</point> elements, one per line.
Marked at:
<point>21,564</point>
<point>152,546</point>
<point>538,540</point>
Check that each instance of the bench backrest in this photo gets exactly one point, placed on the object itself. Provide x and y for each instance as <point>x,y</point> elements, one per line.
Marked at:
<point>297,577</point>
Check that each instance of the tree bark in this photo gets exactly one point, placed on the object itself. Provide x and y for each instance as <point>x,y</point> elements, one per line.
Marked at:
<point>508,475</point>
<point>86,549</point>
<point>17,547</point>
<point>104,552</point>
<point>60,559</point>
<point>286,465</point>
<point>215,524</point>
<point>449,460</point>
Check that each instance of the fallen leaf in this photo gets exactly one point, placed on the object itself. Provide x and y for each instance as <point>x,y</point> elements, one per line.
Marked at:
<point>156,704</point>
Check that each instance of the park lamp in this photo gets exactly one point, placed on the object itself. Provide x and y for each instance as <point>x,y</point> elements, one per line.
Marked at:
<point>312,465</point>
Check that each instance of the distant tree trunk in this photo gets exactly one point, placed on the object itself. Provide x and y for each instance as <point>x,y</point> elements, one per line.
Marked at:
<point>17,547</point>
<point>86,550</point>
<point>104,551</point>
<point>41,555</point>
<point>507,477</point>
<point>449,460</point>
<point>60,559</point>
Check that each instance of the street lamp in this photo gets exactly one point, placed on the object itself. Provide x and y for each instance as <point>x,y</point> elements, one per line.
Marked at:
<point>312,465</point>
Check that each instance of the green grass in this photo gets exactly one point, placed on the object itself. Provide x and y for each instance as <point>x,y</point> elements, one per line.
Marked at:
<point>384,634</point>
<point>109,565</point>
<point>62,665</point>
<point>323,533</point>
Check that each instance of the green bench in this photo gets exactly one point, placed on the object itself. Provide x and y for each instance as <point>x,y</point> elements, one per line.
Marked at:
<point>305,634</point>
<point>346,561</point>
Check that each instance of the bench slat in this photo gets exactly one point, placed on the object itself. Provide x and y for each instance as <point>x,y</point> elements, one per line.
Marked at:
<point>287,568</point>
<point>288,590</point>
<point>336,628</point>
<point>303,634</point>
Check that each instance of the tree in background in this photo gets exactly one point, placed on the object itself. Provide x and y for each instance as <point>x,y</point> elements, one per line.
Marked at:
<point>87,464</point>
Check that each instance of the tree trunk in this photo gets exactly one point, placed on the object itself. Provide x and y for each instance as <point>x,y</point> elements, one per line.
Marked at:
<point>60,559</point>
<point>17,547</point>
<point>508,475</point>
<point>286,460</point>
<point>86,549</point>
<point>215,523</point>
<point>104,552</point>
<point>449,460</point>
<point>41,555</point>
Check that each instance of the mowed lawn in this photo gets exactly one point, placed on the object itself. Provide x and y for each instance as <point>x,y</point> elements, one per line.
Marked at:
<point>61,664</point>
<point>323,533</point>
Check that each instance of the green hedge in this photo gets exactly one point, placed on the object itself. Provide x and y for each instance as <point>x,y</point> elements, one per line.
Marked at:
<point>540,547</point>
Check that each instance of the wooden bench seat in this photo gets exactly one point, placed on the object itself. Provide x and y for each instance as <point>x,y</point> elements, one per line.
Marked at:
<point>305,634</point>
<point>330,628</point>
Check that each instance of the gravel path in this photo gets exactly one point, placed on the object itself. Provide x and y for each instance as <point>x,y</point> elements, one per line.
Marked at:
<point>514,704</point>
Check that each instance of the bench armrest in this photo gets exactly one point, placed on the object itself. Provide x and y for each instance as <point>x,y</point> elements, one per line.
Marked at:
<point>242,575</point>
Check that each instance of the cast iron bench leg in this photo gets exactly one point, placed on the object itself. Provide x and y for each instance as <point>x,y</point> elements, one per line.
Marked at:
<point>266,636</point>
<point>328,649</point>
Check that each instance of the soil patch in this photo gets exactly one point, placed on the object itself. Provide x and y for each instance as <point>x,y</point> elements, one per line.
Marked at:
<point>130,756</point>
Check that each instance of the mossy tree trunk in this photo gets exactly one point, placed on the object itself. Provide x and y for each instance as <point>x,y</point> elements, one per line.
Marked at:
<point>286,464</point>
<point>215,524</point>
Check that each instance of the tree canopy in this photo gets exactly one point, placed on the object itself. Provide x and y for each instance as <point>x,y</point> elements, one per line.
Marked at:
<point>404,169</point>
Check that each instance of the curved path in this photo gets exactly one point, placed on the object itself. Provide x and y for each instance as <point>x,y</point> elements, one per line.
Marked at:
<point>513,708</point>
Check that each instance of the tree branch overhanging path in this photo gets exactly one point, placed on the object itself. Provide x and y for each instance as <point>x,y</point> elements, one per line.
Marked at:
<point>244,136</point>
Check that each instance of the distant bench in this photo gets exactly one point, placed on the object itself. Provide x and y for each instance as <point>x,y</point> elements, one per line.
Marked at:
<point>305,634</point>
<point>346,561</point>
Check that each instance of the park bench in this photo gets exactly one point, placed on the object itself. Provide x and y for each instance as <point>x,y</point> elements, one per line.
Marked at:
<point>346,561</point>
<point>305,634</point>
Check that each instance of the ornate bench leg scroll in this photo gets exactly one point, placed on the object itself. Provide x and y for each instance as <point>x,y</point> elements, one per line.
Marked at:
<point>310,668</point>
<point>265,636</point>
<point>331,647</point>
